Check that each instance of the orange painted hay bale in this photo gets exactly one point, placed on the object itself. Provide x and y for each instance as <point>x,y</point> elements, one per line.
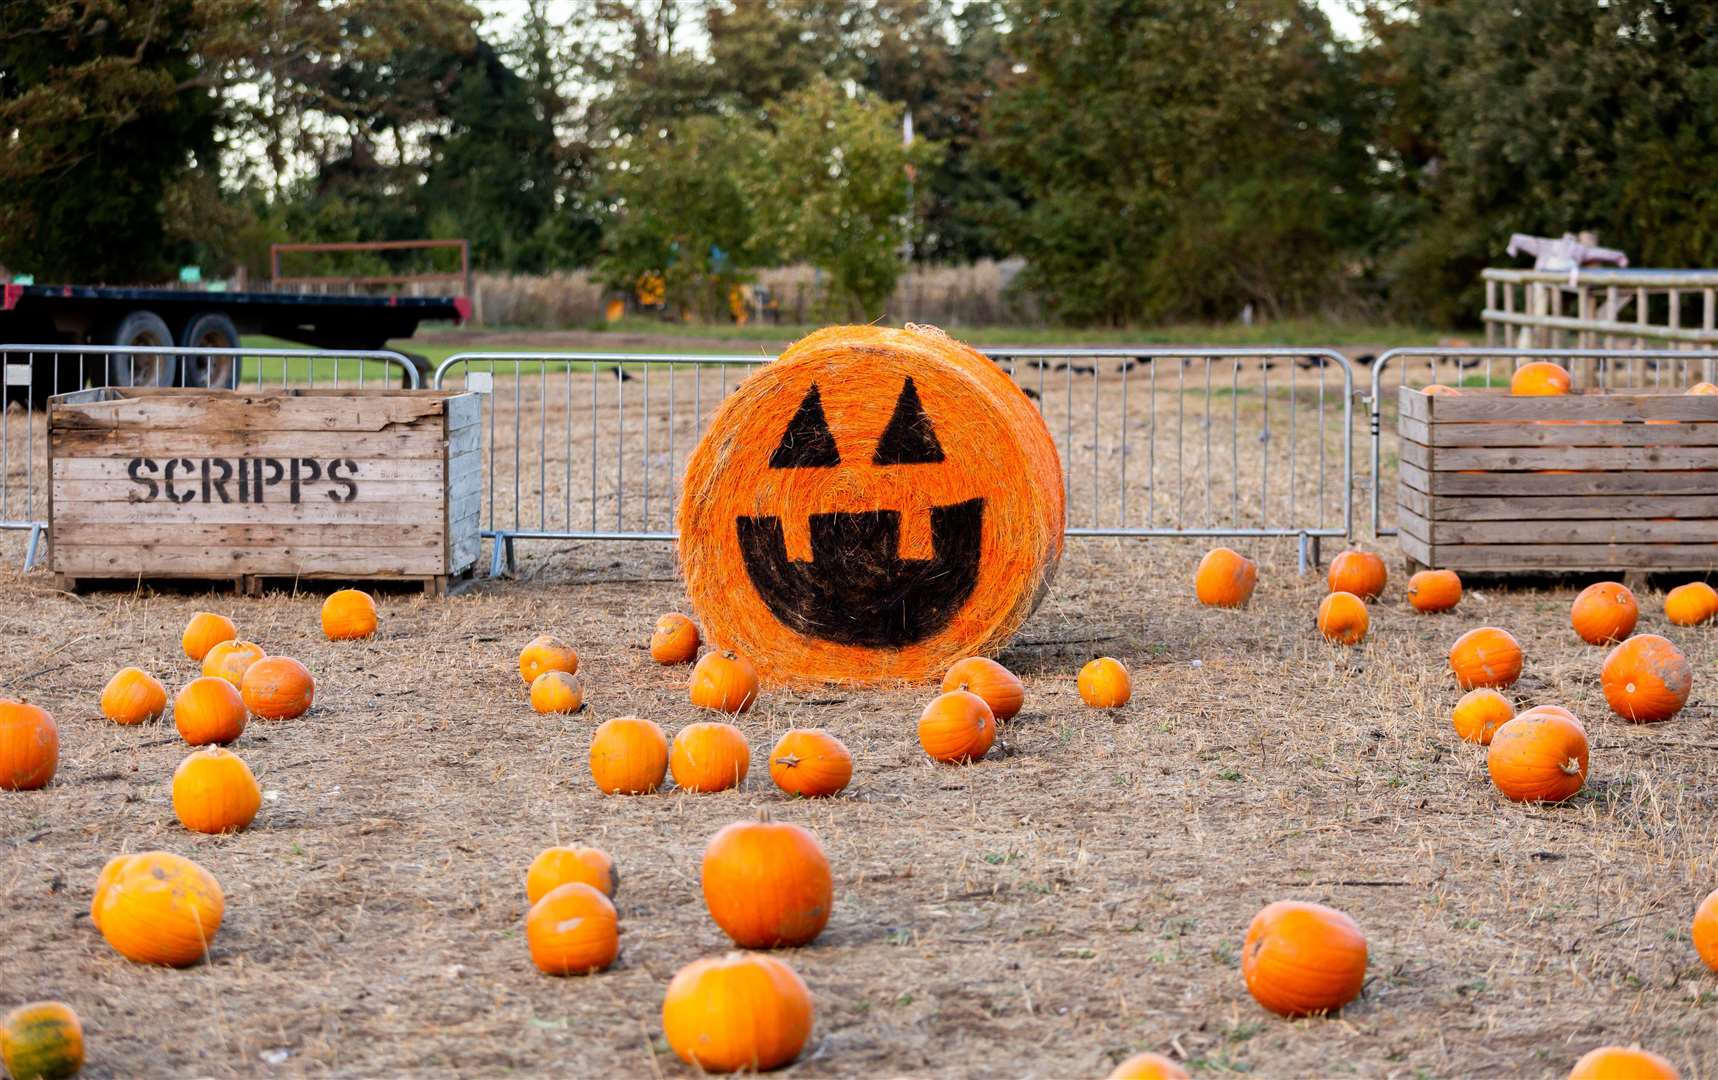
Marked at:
<point>871,507</point>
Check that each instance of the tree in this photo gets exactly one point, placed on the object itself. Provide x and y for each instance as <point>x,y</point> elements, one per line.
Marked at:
<point>832,191</point>
<point>682,206</point>
<point>1179,159</point>
<point>101,113</point>
<point>1543,118</point>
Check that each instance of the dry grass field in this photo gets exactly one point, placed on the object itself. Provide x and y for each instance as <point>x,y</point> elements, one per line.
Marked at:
<point>1079,895</point>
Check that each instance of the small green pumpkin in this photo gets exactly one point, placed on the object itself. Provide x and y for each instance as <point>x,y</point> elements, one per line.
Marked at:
<point>42,1041</point>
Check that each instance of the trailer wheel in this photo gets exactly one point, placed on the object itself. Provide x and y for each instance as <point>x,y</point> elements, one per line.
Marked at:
<point>156,367</point>
<point>210,330</point>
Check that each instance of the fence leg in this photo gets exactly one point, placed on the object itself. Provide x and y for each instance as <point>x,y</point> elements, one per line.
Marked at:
<point>501,560</point>
<point>31,547</point>
<point>1308,555</point>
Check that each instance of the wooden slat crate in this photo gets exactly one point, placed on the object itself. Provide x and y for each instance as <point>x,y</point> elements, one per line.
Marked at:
<point>343,484</point>
<point>1598,481</point>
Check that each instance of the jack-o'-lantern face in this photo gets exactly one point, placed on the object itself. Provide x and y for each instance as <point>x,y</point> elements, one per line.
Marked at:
<point>857,588</point>
<point>871,506</point>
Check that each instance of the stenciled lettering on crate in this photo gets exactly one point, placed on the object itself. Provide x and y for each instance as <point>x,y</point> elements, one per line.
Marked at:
<point>306,483</point>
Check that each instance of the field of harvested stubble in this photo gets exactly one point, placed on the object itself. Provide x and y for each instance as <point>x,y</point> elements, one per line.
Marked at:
<point>1077,896</point>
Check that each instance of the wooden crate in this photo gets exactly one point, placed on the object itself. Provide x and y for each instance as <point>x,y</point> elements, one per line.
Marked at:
<point>345,484</point>
<point>1488,481</point>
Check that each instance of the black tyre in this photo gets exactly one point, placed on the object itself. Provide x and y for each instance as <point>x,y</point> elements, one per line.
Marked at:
<point>155,367</point>
<point>210,330</point>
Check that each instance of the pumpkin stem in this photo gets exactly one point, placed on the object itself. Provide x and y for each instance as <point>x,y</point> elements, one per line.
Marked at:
<point>1571,767</point>
<point>729,655</point>
<point>791,760</point>
<point>764,815</point>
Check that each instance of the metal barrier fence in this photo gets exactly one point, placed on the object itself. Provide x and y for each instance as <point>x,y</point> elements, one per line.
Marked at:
<point>33,373</point>
<point>1154,442</point>
<point>1589,368</point>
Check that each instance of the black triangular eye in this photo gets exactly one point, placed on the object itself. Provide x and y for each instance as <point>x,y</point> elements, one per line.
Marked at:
<point>807,443</point>
<point>909,439</point>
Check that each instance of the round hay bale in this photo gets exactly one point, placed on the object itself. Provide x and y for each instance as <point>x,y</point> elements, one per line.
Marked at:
<point>870,507</point>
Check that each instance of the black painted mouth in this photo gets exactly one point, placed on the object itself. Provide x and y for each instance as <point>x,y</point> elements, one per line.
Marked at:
<point>857,590</point>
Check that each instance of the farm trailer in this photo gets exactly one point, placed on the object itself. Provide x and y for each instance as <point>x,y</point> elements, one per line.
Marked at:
<point>152,318</point>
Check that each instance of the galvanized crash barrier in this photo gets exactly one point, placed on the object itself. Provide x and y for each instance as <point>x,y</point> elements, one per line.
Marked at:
<point>1665,369</point>
<point>1246,443</point>
<point>34,373</point>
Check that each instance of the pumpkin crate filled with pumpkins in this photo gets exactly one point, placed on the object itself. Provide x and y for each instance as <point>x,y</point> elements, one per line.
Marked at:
<point>251,484</point>
<point>1541,478</point>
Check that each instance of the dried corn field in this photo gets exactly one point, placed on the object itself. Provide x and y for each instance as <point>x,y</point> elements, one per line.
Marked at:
<point>1079,895</point>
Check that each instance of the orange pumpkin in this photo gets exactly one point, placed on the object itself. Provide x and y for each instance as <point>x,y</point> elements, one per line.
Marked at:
<point>1622,1063</point>
<point>278,688</point>
<point>709,757</point>
<point>989,680</point>
<point>209,710</point>
<point>1342,618</point>
<point>29,746</point>
<point>1541,378</point>
<point>1479,714</point>
<point>1486,656</point>
<point>1540,756</point>
<point>1301,958</point>
<point>1359,572</point>
<point>348,615</point>
<point>675,639</point>
<point>629,756</point>
<point>546,653</point>
<point>1646,679</point>
<point>559,866</point>
<point>42,1040</point>
<point>158,908</point>
<point>1149,1066</point>
<point>1434,590</point>
<point>957,727</point>
<point>214,792</point>
<point>810,763</point>
<point>557,692</point>
<point>1104,683</point>
<point>1703,389</point>
<point>572,930</point>
<point>767,883</point>
<point>1604,613</point>
<point>724,682</point>
<point>230,659</point>
<point>204,632</point>
<point>1441,388</point>
<point>740,1011</point>
<point>1225,578</point>
<point>1691,604</point>
<point>133,696</point>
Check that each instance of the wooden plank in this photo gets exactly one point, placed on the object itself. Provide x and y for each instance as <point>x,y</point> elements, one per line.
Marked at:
<point>1416,455</point>
<point>463,440</point>
<point>1588,531</point>
<point>464,410</point>
<point>1415,548</point>
<point>1561,557</point>
<point>371,469</point>
<point>1534,483</point>
<point>223,562</point>
<point>143,537</point>
<point>250,412</point>
<point>128,494</point>
<point>1528,507</point>
<point>1413,404</point>
<point>1468,435</point>
<point>1469,406</point>
<point>406,443</point>
<point>162,515</point>
<point>1407,427</point>
<point>1583,458</point>
<point>1412,524</point>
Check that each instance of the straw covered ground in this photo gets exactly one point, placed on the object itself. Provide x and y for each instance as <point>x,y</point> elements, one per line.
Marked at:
<point>1078,896</point>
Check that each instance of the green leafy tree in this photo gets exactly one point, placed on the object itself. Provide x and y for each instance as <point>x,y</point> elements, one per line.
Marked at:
<point>1180,159</point>
<point>101,115</point>
<point>681,207</point>
<point>831,189</point>
<point>1543,118</point>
